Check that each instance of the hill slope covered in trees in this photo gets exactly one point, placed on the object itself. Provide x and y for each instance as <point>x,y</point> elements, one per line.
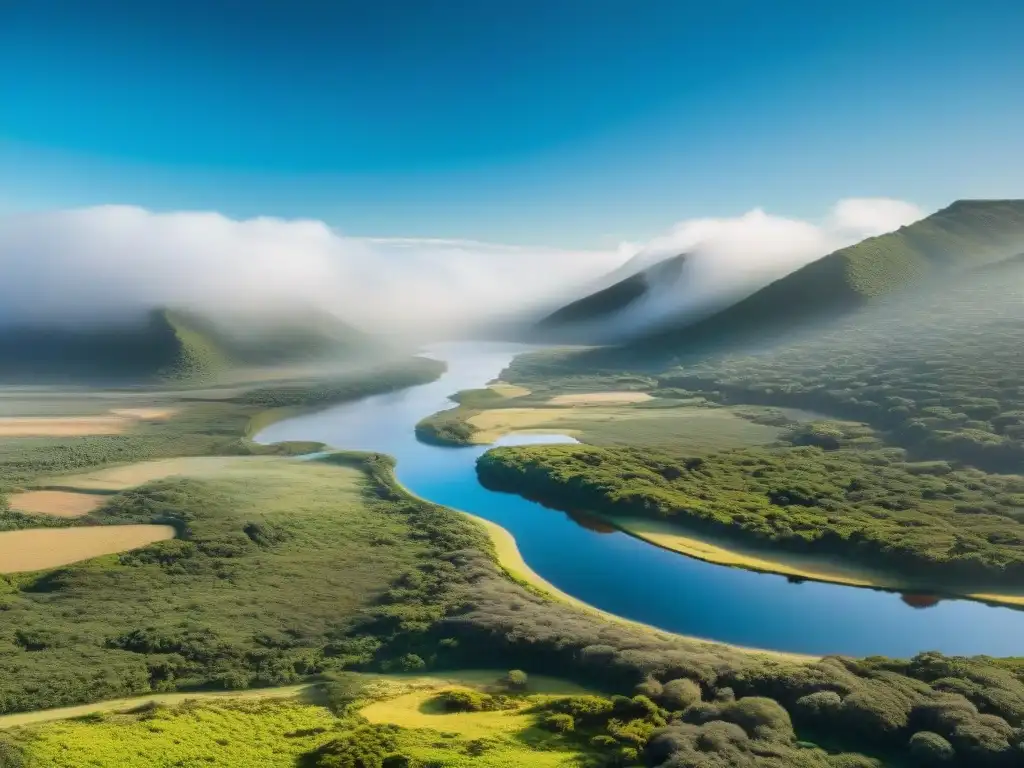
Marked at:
<point>604,303</point>
<point>964,236</point>
<point>175,345</point>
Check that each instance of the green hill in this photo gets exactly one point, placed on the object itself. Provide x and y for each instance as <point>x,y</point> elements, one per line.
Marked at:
<point>966,235</point>
<point>175,345</point>
<point>616,297</point>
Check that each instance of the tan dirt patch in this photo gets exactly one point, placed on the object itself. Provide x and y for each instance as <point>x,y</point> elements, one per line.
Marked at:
<point>56,503</point>
<point>505,389</point>
<point>600,398</point>
<point>131,475</point>
<point>41,548</point>
<point>494,423</point>
<point>73,426</point>
<point>145,414</point>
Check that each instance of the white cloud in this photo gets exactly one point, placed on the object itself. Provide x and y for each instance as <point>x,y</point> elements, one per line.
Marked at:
<point>93,264</point>
<point>103,262</point>
<point>732,257</point>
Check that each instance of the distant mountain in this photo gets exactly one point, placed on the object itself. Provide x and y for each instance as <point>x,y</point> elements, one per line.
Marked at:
<point>176,345</point>
<point>604,303</point>
<point>967,235</point>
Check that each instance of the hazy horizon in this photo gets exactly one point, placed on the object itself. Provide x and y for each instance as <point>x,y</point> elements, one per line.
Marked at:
<point>114,262</point>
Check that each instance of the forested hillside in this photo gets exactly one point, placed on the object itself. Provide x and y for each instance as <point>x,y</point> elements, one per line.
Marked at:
<point>940,372</point>
<point>174,345</point>
<point>605,303</point>
<point>966,235</point>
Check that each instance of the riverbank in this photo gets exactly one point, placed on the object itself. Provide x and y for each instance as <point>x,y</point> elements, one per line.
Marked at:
<point>804,567</point>
<point>732,509</point>
<point>511,561</point>
<point>720,552</point>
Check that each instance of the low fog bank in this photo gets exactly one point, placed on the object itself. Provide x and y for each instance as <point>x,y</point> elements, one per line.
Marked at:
<point>727,259</point>
<point>112,264</point>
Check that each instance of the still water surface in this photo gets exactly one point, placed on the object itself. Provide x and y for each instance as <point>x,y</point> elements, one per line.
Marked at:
<point>627,577</point>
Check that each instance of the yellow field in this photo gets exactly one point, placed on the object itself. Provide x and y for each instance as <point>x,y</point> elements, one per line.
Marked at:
<point>41,548</point>
<point>379,687</point>
<point>407,702</point>
<point>56,503</point>
<point>67,426</point>
<point>145,414</point>
<point>213,734</point>
<point>505,389</point>
<point>274,727</point>
<point>416,710</point>
<point>600,398</point>
<point>131,475</point>
<point>496,422</point>
<point>114,422</point>
<point>303,691</point>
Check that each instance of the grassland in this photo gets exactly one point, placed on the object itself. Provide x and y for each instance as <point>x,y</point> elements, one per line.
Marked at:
<point>57,503</point>
<point>287,726</point>
<point>598,417</point>
<point>284,571</point>
<point>45,548</point>
<point>210,422</point>
<point>271,563</point>
<point>452,427</point>
<point>361,721</point>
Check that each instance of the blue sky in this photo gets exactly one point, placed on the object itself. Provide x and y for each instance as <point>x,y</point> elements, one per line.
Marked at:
<point>568,122</point>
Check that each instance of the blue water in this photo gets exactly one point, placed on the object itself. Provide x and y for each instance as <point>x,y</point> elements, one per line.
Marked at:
<point>627,577</point>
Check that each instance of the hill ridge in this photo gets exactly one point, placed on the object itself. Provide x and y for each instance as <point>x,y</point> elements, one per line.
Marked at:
<point>964,235</point>
<point>173,345</point>
<point>617,296</point>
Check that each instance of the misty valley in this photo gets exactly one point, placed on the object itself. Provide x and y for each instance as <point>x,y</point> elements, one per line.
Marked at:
<point>666,520</point>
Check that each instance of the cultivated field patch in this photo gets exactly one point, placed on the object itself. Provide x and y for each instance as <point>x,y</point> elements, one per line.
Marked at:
<point>600,398</point>
<point>688,428</point>
<point>505,389</point>
<point>145,414</point>
<point>41,548</point>
<point>130,475</point>
<point>56,503</point>
<point>67,426</point>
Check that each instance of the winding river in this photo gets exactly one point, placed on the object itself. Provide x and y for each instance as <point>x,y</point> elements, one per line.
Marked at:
<point>627,577</point>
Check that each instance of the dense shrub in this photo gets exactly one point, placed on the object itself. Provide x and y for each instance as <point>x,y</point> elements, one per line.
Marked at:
<point>472,701</point>
<point>760,717</point>
<point>819,707</point>
<point>649,687</point>
<point>365,747</point>
<point>679,694</point>
<point>559,722</point>
<point>930,749</point>
<point>866,504</point>
<point>516,680</point>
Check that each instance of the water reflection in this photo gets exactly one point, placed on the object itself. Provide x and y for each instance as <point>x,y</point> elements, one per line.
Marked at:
<point>919,600</point>
<point>591,522</point>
